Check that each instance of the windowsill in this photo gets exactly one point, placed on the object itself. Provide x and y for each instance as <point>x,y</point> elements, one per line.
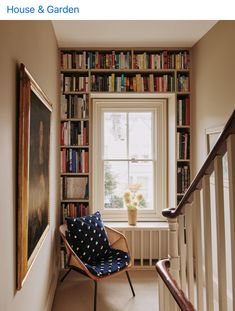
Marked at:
<point>158,225</point>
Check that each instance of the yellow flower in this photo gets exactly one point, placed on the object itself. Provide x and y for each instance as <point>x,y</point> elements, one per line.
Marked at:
<point>139,197</point>
<point>126,195</point>
<point>132,198</point>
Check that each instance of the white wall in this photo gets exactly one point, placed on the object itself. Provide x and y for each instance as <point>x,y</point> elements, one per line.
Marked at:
<point>32,43</point>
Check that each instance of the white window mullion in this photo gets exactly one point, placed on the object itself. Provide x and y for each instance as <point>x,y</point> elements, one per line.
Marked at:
<point>127,146</point>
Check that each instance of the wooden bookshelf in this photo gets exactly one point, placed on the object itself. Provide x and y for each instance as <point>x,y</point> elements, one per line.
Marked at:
<point>123,70</point>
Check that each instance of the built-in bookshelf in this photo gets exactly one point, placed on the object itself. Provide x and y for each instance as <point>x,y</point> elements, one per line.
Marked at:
<point>86,71</point>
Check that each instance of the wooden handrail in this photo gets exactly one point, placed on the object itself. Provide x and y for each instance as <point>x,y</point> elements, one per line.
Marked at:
<point>162,268</point>
<point>206,169</point>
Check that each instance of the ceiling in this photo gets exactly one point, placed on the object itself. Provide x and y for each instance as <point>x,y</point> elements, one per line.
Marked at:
<point>115,33</point>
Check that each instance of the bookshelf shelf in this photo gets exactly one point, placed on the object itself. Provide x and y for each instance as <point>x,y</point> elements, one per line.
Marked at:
<point>80,146</point>
<point>71,70</point>
<point>74,119</point>
<point>74,174</point>
<point>75,201</point>
<point>183,126</point>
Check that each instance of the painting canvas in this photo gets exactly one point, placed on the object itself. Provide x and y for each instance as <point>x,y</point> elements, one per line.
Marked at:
<point>33,177</point>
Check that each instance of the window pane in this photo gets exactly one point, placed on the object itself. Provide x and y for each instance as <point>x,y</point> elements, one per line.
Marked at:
<point>142,173</point>
<point>115,183</point>
<point>115,144</point>
<point>140,135</point>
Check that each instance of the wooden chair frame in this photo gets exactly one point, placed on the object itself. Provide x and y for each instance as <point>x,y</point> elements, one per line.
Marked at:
<point>116,240</point>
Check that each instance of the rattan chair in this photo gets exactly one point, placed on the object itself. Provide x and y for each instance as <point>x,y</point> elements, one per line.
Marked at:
<point>116,240</point>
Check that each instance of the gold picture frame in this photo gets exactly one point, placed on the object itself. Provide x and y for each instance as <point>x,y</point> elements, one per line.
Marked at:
<point>33,172</point>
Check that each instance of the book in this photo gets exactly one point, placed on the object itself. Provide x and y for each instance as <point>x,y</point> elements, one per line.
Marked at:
<point>75,188</point>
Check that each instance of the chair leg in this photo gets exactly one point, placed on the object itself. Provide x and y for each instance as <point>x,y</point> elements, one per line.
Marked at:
<point>65,275</point>
<point>95,295</point>
<point>129,280</point>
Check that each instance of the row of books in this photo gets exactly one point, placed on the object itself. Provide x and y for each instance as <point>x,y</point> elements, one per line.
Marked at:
<point>183,178</point>
<point>114,60</point>
<point>183,83</point>
<point>182,143</point>
<point>137,83</point>
<point>74,133</point>
<point>73,60</point>
<point>123,60</point>
<point>74,188</point>
<point>74,107</point>
<point>161,60</point>
<point>74,161</point>
<point>76,84</point>
<point>74,210</point>
<point>183,111</point>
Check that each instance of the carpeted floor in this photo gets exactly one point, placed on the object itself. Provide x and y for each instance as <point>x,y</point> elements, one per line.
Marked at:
<point>114,294</point>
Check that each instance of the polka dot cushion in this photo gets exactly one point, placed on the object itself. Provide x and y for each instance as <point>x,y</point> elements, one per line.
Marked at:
<point>114,261</point>
<point>88,239</point>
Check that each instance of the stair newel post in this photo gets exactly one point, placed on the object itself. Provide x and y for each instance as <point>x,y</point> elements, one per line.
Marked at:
<point>173,249</point>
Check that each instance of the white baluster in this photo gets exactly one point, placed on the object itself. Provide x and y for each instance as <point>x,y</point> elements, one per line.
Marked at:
<point>231,175</point>
<point>173,252</point>
<point>219,203</point>
<point>189,252</point>
<point>182,252</point>
<point>198,250</point>
<point>207,242</point>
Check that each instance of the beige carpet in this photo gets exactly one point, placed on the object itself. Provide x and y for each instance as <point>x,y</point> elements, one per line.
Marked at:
<point>114,294</point>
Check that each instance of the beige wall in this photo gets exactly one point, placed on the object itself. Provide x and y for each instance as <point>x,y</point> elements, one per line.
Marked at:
<point>213,84</point>
<point>34,44</point>
<point>213,102</point>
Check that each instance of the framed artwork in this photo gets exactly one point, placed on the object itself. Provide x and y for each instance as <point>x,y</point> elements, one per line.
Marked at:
<point>33,172</point>
<point>212,134</point>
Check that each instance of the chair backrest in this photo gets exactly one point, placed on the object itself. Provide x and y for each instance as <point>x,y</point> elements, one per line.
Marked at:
<point>62,230</point>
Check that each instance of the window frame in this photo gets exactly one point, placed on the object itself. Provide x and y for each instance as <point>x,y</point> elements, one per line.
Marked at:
<point>158,107</point>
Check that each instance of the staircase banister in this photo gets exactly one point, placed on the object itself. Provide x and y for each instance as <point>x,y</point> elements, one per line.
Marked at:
<point>206,169</point>
<point>162,268</point>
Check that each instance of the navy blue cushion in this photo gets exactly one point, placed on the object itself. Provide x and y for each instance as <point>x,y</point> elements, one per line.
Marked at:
<point>114,261</point>
<point>88,238</point>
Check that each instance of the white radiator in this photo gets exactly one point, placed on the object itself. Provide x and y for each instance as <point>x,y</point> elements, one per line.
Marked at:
<point>147,242</point>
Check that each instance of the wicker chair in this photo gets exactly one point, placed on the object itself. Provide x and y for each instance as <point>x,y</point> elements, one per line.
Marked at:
<point>116,240</point>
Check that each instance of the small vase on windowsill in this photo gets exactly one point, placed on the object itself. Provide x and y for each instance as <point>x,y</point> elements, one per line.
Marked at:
<point>132,216</point>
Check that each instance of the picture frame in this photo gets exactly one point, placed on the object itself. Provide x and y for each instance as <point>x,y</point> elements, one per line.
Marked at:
<point>212,135</point>
<point>33,172</point>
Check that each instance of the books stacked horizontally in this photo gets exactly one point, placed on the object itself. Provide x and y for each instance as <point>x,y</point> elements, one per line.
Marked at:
<point>74,188</point>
